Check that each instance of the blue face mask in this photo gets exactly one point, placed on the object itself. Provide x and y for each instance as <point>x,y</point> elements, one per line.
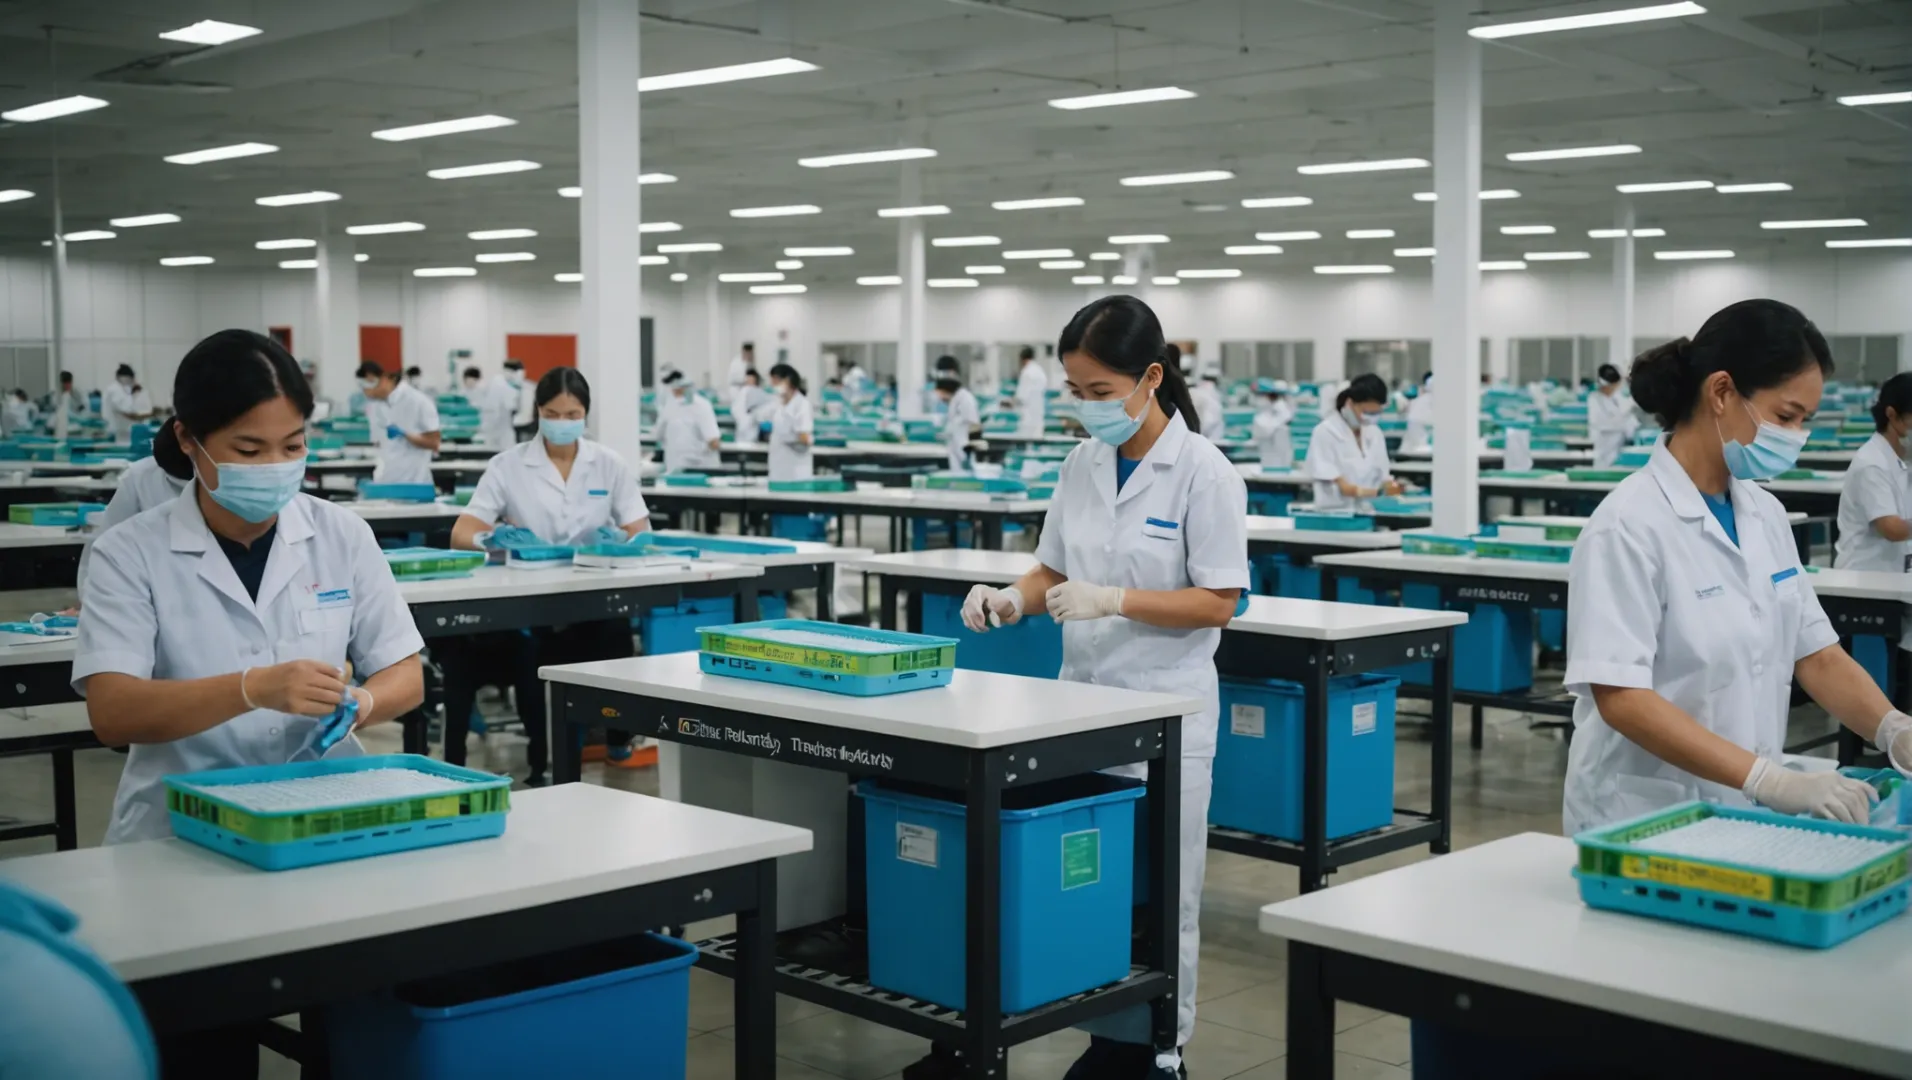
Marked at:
<point>1109,420</point>
<point>1774,450</point>
<point>256,492</point>
<point>560,432</point>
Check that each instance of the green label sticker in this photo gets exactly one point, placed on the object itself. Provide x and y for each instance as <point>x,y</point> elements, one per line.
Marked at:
<point>1081,859</point>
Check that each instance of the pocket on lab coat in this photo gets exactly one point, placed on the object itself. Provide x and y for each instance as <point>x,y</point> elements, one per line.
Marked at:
<point>324,634</point>
<point>1635,795</point>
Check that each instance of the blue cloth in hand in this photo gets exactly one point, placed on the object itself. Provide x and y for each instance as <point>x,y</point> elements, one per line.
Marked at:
<point>393,431</point>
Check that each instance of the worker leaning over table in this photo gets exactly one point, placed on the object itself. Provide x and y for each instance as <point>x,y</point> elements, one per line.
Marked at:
<point>1689,616</point>
<point>1144,554</point>
<point>1610,418</point>
<point>405,426</point>
<point>1875,501</point>
<point>1347,454</point>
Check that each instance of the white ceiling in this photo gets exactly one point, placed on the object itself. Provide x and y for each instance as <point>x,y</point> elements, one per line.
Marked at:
<point>1743,94</point>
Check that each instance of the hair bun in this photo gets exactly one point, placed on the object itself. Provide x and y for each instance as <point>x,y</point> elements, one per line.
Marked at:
<point>1171,354</point>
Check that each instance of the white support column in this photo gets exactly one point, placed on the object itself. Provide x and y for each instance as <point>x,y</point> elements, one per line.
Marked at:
<point>1456,271</point>
<point>718,349</point>
<point>608,217</point>
<point>56,341</point>
<point>911,299</point>
<point>1620,348</point>
<point>338,315</point>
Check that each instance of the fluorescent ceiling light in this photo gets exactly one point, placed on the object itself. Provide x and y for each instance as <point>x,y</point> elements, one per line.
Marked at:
<point>1895,242</point>
<point>1037,204</point>
<point>912,211</point>
<point>880,279</point>
<point>775,211</point>
<point>1375,268</point>
<point>642,260</point>
<point>48,110</point>
<point>144,219</point>
<point>1123,97</point>
<point>1208,208</point>
<point>570,277</point>
<point>512,256</point>
<point>1105,256</point>
<point>742,278</point>
<point>297,198</point>
<point>280,245</point>
<point>1526,230</point>
<point>1567,152</point>
<point>1200,176</point>
<point>489,168</point>
<point>1370,234</point>
<point>360,257</point>
<point>1682,255</point>
<point>210,32</point>
<point>778,290</point>
<point>1821,223</point>
<point>1896,97</point>
<point>1139,238</point>
<point>299,264</point>
<point>1061,264</point>
<point>502,234</point>
<point>1502,264</point>
<point>1490,193</point>
<point>867,157</point>
<point>1750,189</point>
<point>222,153</point>
<point>1557,256</point>
<point>1616,234</point>
<point>680,276</point>
<point>816,252</point>
<point>1218,273</point>
<point>186,260</point>
<point>980,271</point>
<point>1385,165</point>
<point>446,271</point>
<point>789,264</point>
<point>1414,253</point>
<point>1252,249</point>
<point>966,241</point>
<point>1040,253</point>
<point>1121,279</point>
<point>1165,281</point>
<point>658,226</point>
<point>384,227</point>
<point>443,127</point>
<point>655,178</point>
<point>1669,185</point>
<point>1582,22</point>
<point>953,283</point>
<point>760,69</point>
<point>15,195</point>
<point>1280,237</point>
<point>1087,279</point>
<point>1276,201</point>
<point>688,249</point>
<point>571,192</point>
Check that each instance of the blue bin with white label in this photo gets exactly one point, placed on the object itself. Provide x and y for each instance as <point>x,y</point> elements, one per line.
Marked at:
<point>1031,647</point>
<point>1258,756</point>
<point>672,628</point>
<point>1068,850</point>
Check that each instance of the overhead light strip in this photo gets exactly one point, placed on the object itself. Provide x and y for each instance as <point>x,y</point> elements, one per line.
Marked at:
<point>443,127</point>
<point>1620,17</point>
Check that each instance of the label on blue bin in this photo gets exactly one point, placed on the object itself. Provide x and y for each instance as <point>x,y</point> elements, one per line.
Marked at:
<point>1081,859</point>
<point>1364,718</point>
<point>916,844</point>
<point>1251,721</point>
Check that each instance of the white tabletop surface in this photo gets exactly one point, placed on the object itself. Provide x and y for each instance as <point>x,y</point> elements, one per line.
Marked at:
<point>51,651</point>
<point>39,536</point>
<point>1320,620</point>
<point>1820,486</point>
<point>63,483</point>
<point>166,906</point>
<point>498,582</point>
<point>1862,584</point>
<point>388,509</point>
<point>951,564</point>
<point>1282,529</point>
<point>1251,472</point>
<point>977,710</point>
<point>1508,913</point>
<point>66,718</point>
<point>1458,565</point>
<point>808,553</point>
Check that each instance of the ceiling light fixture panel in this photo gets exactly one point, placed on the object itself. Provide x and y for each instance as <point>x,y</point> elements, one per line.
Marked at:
<point>280,245</point>
<point>867,157</point>
<point>795,210</point>
<point>511,256</point>
<point>1664,185</point>
<point>1252,249</point>
<point>912,211</point>
<point>777,290</point>
<point>222,153</point>
<point>1336,168</point>
<point>1139,238</point>
<point>1355,268</point>
<point>1490,193</point>
<point>1678,256</point>
<point>817,252</point>
<point>384,227</point>
<point>502,234</point>
<point>49,110</point>
<point>1620,17</point>
<point>186,260</point>
<point>1040,253</point>
<point>689,249</point>
<point>880,279</point>
<point>1276,202</point>
<point>1123,97</point>
<point>443,127</point>
<point>143,220</point>
<point>745,278</point>
<point>297,198</point>
<point>1051,202</point>
<point>1819,223</point>
<point>1200,176</point>
<point>952,283</point>
<point>489,168</point>
<point>1890,242</point>
<point>1567,153</point>
<point>1894,97</point>
<point>446,271</point>
<point>211,32</point>
<point>761,69</point>
<point>1750,189</point>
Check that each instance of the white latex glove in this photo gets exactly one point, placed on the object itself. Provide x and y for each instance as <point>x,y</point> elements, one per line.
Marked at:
<point>1894,740</point>
<point>1073,600</point>
<point>1821,794</point>
<point>985,607</point>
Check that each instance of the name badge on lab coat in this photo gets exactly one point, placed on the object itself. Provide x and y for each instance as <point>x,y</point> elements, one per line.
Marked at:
<point>1786,581</point>
<point>1162,530</point>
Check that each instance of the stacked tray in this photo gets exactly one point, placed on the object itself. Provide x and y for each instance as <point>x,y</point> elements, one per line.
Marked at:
<point>856,660</point>
<point>430,564</point>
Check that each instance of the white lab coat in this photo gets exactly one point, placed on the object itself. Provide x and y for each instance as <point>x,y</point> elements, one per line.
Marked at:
<point>1333,452</point>
<point>522,487</point>
<point>964,414</point>
<point>1610,422</point>
<point>19,416</point>
<point>1660,599</point>
<point>497,402</point>
<point>1420,423</point>
<point>411,411</point>
<point>1273,437</point>
<point>745,403</point>
<point>1180,522</point>
<point>738,366</point>
<point>685,429</point>
<point>142,486</point>
<point>1032,399</point>
<point>1876,485</point>
<point>1208,409</point>
<point>327,595</point>
<point>789,458</point>
<point>116,402</point>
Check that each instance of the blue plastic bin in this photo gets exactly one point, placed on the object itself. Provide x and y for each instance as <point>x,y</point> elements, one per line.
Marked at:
<point>1031,647</point>
<point>1270,503</point>
<point>673,628</point>
<point>1551,628</point>
<point>926,533</point>
<point>1493,649</point>
<point>542,1016</point>
<point>1258,756</point>
<point>800,527</point>
<point>1068,849</point>
<point>1874,654</point>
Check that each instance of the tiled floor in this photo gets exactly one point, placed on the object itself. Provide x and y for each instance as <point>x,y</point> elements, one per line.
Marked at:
<point>1512,785</point>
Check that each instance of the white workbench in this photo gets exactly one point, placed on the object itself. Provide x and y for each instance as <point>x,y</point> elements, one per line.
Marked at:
<point>501,582</point>
<point>1508,914</point>
<point>1279,530</point>
<point>40,536</point>
<point>1298,477</point>
<point>390,510</point>
<point>971,565</point>
<point>808,553</point>
<point>1458,565</point>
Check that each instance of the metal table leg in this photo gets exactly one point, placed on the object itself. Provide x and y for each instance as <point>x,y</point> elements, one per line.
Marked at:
<point>754,993</point>
<point>982,1014</point>
<point>66,822</point>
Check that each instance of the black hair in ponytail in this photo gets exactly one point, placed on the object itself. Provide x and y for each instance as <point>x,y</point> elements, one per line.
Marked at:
<point>788,374</point>
<point>1895,395</point>
<point>223,378</point>
<point>1123,335</point>
<point>1757,343</point>
<point>1366,388</point>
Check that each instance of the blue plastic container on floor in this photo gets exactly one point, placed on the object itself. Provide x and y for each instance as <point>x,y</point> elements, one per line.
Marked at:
<point>1493,649</point>
<point>800,527</point>
<point>1874,654</point>
<point>673,628</point>
<point>1068,850</point>
<point>1031,647</point>
<point>620,1009</point>
<point>1258,756</point>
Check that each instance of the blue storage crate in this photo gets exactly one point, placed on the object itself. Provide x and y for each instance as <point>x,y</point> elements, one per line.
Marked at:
<point>1493,650</point>
<point>800,527</point>
<point>1258,756</point>
<point>930,532</point>
<point>672,628</point>
<point>541,1016</point>
<point>1330,521</point>
<point>1550,628</point>
<point>417,493</point>
<point>1031,647</point>
<point>1067,881</point>
<point>1270,503</point>
<point>1297,582</point>
<point>1874,653</point>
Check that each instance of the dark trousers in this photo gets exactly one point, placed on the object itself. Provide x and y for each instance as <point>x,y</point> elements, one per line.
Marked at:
<point>512,658</point>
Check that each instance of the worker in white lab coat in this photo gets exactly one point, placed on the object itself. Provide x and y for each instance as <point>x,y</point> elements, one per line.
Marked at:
<point>1032,395</point>
<point>125,403</point>
<point>1208,407</point>
<point>1611,420</point>
<point>749,404</point>
<point>792,427</point>
<point>404,426</point>
<point>962,415</point>
<point>687,428</point>
<point>1273,437</point>
<point>1875,501</point>
<point>497,402</point>
<point>1143,557</point>
<point>1347,454</point>
<point>744,361</point>
<point>1420,418</point>
<point>20,415</point>
<point>1689,617</point>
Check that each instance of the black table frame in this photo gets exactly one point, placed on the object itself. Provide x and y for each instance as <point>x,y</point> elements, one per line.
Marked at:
<point>980,1030</point>
<point>1312,663</point>
<point>989,520</point>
